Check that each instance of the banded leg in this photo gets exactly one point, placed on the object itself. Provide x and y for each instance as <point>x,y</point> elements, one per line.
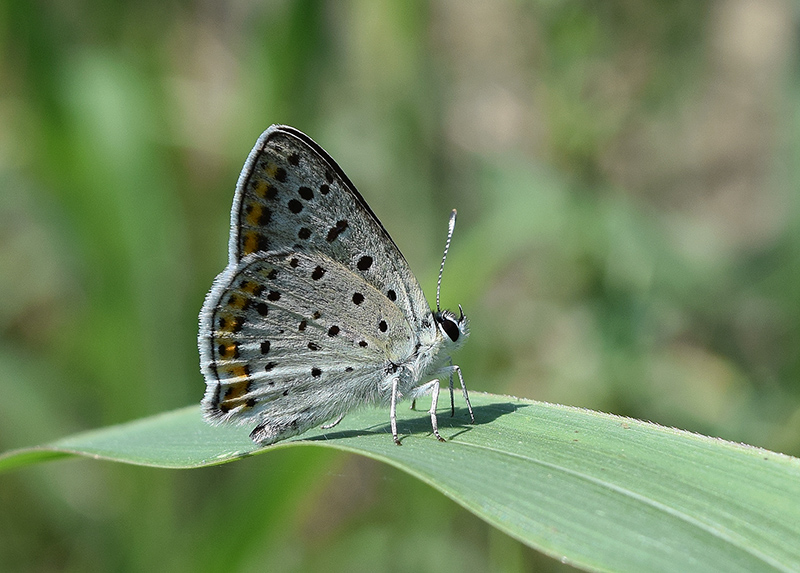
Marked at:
<point>434,401</point>
<point>393,411</point>
<point>431,388</point>
<point>454,368</point>
<point>452,402</point>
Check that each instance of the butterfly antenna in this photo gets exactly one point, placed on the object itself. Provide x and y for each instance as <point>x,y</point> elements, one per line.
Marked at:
<point>444,256</point>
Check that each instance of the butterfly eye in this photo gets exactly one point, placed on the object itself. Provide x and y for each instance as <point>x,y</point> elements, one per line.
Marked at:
<point>451,329</point>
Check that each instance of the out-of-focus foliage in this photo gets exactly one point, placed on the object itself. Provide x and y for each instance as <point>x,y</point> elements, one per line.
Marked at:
<point>626,178</point>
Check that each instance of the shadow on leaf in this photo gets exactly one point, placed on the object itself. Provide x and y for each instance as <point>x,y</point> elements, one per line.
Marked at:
<point>422,423</point>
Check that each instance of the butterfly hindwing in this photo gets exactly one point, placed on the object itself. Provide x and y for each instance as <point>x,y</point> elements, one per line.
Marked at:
<point>286,347</point>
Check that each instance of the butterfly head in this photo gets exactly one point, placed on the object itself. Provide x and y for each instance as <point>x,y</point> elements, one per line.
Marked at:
<point>454,329</point>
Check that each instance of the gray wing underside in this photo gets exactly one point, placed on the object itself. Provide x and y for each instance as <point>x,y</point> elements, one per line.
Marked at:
<point>292,196</point>
<point>290,340</point>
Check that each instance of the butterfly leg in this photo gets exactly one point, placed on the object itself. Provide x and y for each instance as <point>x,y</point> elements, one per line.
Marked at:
<point>332,424</point>
<point>432,388</point>
<point>452,402</point>
<point>464,391</point>
<point>434,400</point>
<point>457,370</point>
<point>393,410</point>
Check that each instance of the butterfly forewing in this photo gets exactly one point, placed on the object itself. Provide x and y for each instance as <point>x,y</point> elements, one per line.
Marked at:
<point>292,196</point>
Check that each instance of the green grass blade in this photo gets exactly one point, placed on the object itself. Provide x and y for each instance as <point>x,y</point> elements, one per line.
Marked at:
<point>592,489</point>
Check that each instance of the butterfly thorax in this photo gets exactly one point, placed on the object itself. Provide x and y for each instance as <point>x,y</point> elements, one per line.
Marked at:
<point>433,351</point>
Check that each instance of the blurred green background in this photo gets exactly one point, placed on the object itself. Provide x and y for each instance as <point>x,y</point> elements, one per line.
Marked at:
<point>626,175</point>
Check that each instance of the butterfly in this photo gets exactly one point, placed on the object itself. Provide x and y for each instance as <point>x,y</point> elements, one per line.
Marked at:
<point>317,312</point>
